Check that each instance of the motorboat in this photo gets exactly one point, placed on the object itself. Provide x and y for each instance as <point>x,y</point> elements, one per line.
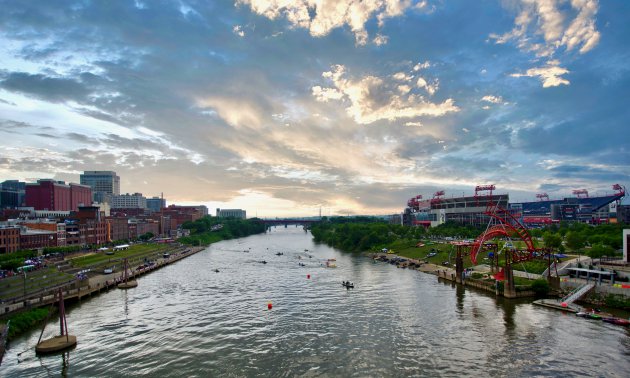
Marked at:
<point>588,315</point>
<point>617,321</point>
<point>348,284</point>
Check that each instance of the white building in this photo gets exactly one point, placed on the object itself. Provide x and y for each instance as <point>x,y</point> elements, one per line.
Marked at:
<point>129,201</point>
<point>231,213</point>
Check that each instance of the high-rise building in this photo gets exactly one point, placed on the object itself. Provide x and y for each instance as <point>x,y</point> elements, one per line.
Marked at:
<point>104,184</point>
<point>12,194</point>
<point>156,204</point>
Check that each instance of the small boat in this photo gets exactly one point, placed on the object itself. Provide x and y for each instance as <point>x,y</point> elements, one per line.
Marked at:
<point>617,321</point>
<point>588,315</point>
<point>216,270</point>
<point>263,262</point>
<point>301,264</point>
<point>279,254</point>
<point>347,284</point>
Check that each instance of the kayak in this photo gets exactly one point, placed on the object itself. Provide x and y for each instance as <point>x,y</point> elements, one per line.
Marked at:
<point>617,321</point>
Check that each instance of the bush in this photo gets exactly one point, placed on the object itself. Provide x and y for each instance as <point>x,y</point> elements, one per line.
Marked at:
<point>24,321</point>
<point>540,287</point>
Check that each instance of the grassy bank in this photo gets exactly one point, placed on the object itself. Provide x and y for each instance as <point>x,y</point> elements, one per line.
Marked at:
<point>26,321</point>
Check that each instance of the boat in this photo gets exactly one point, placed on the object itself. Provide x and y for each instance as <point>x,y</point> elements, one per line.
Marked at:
<point>588,315</point>
<point>617,321</point>
<point>216,270</point>
<point>331,260</point>
<point>263,262</point>
<point>347,284</point>
<point>279,254</point>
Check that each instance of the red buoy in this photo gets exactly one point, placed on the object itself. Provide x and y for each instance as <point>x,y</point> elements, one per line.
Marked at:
<point>564,304</point>
<point>269,306</point>
<point>308,276</point>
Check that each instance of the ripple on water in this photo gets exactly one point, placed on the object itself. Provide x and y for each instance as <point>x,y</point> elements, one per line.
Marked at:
<point>187,320</point>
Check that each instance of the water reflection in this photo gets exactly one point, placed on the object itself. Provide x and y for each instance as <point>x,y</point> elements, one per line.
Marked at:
<point>188,320</point>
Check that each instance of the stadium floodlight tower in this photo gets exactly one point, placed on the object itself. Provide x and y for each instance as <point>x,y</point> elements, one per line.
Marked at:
<point>542,196</point>
<point>581,193</point>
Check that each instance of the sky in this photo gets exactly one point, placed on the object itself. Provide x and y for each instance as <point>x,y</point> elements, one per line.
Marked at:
<point>292,107</point>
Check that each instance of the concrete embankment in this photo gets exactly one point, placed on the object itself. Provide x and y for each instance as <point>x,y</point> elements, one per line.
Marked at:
<point>97,283</point>
<point>443,273</point>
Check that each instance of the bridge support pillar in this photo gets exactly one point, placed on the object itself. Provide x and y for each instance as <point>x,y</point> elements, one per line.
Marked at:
<point>509,289</point>
<point>459,266</point>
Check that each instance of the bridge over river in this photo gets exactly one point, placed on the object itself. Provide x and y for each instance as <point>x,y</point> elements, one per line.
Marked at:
<point>287,221</point>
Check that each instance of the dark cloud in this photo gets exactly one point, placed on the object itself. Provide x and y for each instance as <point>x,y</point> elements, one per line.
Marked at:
<point>43,87</point>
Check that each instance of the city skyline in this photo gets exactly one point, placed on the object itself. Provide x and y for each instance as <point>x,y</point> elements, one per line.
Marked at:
<point>282,108</point>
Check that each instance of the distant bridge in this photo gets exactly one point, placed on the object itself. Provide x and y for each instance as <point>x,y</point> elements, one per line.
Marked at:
<point>281,222</point>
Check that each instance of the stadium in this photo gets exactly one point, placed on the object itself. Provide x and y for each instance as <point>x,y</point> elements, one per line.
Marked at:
<point>471,210</point>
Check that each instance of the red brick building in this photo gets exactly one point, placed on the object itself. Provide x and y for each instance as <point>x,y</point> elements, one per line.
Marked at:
<point>117,228</point>
<point>9,239</point>
<point>181,214</point>
<point>56,195</point>
<point>35,239</point>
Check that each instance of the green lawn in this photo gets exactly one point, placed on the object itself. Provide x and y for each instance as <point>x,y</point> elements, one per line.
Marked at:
<point>11,287</point>
<point>135,252</point>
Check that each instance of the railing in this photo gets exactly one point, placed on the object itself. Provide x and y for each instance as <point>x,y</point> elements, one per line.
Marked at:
<point>577,293</point>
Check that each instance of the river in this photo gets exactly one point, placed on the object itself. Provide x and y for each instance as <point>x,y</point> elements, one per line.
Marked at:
<point>186,320</point>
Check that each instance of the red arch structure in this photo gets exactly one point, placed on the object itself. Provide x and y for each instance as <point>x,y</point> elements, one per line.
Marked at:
<point>507,226</point>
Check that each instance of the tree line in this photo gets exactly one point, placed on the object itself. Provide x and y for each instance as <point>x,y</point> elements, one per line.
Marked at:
<point>204,231</point>
<point>367,233</point>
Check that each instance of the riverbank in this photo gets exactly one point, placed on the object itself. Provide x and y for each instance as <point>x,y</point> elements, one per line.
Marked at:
<point>30,308</point>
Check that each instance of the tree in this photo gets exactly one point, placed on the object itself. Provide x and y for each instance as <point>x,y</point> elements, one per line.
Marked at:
<point>575,240</point>
<point>552,240</point>
<point>146,236</point>
<point>599,250</point>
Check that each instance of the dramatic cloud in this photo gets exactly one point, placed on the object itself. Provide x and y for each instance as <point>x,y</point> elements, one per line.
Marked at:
<point>373,98</point>
<point>321,17</point>
<point>548,29</point>
<point>225,103</point>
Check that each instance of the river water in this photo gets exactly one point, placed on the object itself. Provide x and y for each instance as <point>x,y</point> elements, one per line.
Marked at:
<point>186,320</point>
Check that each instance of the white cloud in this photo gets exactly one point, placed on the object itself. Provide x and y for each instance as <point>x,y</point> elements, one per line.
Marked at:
<point>401,76</point>
<point>320,17</point>
<point>582,29</point>
<point>238,30</point>
<point>567,28</point>
<point>550,75</point>
<point>413,124</point>
<point>547,29</point>
<point>235,112</point>
<point>373,98</point>
<point>380,39</point>
<point>431,88</point>
<point>492,99</point>
<point>421,66</point>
